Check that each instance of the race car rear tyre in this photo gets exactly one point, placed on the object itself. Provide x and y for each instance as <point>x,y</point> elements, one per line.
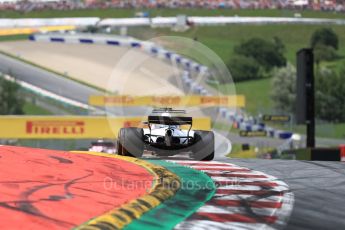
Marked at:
<point>131,142</point>
<point>203,149</point>
<point>119,148</point>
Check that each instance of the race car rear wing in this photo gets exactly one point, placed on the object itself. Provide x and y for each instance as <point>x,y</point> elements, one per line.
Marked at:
<point>168,110</point>
<point>165,120</point>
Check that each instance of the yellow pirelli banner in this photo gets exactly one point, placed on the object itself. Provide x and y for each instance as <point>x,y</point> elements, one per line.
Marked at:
<point>74,127</point>
<point>29,30</point>
<point>166,101</point>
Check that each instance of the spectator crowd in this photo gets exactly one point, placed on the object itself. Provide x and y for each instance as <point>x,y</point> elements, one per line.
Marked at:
<point>28,5</point>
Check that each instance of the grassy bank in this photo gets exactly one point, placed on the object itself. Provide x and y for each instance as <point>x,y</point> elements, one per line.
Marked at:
<point>32,109</point>
<point>222,39</point>
<point>326,130</point>
<point>13,38</point>
<point>257,93</point>
<point>237,152</point>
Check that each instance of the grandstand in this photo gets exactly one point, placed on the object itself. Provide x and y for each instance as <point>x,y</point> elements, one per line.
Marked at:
<point>29,5</point>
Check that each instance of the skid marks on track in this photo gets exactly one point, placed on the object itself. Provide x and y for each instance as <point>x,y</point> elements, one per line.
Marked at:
<point>245,199</point>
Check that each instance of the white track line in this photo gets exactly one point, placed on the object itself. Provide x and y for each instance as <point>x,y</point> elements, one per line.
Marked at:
<point>198,162</point>
<point>207,225</point>
<point>211,167</point>
<point>252,188</point>
<point>230,172</point>
<point>247,197</point>
<point>243,199</point>
<point>237,210</point>
<point>241,179</point>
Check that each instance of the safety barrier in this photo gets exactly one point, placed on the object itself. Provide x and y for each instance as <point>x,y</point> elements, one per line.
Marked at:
<point>173,101</point>
<point>342,152</point>
<point>74,127</point>
<point>242,122</point>
<point>37,22</point>
<point>31,30</point>
<point>262,20</point>
<point>162,21</point>
<point>123,41</point>
<point>148,47</point>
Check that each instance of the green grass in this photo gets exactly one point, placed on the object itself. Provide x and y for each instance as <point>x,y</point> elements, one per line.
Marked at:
<point>256,92</point>
<point>258,101</point>
<point>13,38</point>
<point>237,152</point>
<point>222,39</point>
<point>330,130</point>
<point>32,109</point>
<point>103,13</point>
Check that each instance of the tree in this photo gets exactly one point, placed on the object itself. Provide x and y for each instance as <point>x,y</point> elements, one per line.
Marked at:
<point>279,44</point>
<point>266,53</point>
<point>324,53</point>
<point>330,97</point>
<point>326,37</point>
<point>10,98</point>
<point>329,93</point>
<point>243,68</point>
<point>283,92</point>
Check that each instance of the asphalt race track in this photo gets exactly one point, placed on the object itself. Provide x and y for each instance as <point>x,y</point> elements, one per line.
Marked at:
<point>318,187</point>
<point>243,199</point>
<point>56,84</point>
<point>46,80</point>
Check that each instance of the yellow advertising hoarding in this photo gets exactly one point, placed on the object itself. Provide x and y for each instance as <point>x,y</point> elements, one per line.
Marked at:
<point>27,30</point>
<point>177,101</point>
<point>74,127</point>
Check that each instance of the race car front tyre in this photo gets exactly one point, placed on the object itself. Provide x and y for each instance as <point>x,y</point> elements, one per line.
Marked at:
<point>131,142</point>
<point>203,149</point>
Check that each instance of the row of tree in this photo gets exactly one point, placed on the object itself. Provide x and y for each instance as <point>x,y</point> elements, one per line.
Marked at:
<point>11,101</point>
<point>329,84</point>
<point>329,93</point>
<point>325,43</point>
<point>255,58</point>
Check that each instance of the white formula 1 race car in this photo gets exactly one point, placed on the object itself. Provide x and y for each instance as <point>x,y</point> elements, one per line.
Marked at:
<point>102,146</point>
<point>169,133</point>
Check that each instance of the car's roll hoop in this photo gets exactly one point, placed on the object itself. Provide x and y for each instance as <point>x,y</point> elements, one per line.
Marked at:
<point>168,110</point>
<point>167,120</point>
